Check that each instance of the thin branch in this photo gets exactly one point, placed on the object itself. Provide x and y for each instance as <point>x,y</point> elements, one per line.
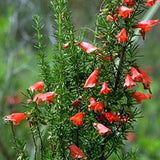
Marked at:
<point>119,71</point>
<point>40,137</point>
<point>34,140</point>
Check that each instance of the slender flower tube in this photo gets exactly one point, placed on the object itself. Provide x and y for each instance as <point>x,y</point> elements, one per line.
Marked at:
<point>129,83</point>
<point>102,130</point>
<point>130,3</point>
<point>112,18</point>
<point>139,96</point>
<point>145,79</point>
<point>111,117</point>
<point>44,97</point>
<point>150,3</point>
<point>96,106</point>
<point>77,119</point>
<point>87,47</point>
<point>124,11</point>
<point>92,79</point>
<point>105,89</point>
<point>135,74</point>
<point>122,36</point>
<point>145,26</point>
<point>76,152</point>
<point>15,118</point>
<point>37,86</point>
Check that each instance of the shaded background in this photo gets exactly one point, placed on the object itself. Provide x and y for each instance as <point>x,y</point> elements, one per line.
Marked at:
<point>19,68</point>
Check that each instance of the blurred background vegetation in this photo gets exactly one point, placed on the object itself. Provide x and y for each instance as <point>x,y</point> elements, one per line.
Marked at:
<point>19,68</point>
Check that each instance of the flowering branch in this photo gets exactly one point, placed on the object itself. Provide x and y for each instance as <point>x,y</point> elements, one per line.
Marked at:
<point>88,100</point>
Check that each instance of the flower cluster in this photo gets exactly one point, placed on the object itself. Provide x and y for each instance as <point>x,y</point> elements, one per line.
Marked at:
<point>38,99</point>
<point>126,12</point>
<point>133,77</point>
<point>142,77</point>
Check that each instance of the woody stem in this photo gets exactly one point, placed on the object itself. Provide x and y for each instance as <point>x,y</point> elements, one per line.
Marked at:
<point>40,137</point>
<point>119,71</point>
<point>34,140</point>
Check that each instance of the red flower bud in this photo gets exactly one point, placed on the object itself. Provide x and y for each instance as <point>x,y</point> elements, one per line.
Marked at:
<point>112,18</point>
<point>77,119</point>
<point>124,11</point>
<point>122,36</point>
<point>76,152</point>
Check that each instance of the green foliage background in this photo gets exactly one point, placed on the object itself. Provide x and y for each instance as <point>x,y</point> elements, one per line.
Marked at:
<point>19,67</point>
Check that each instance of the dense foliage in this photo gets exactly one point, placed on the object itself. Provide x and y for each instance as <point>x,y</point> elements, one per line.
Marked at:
<point>85,80</point>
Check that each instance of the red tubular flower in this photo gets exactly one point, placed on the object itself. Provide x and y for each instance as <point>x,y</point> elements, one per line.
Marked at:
<point>37,86</point>
<point>76,152</point>
<point>135,74</point>
<point>112,18</point>
<point>150,2</point>
<point>122,36</point>
<point>87,47</point>
<point>110,117</point>
<point>105,89</point>
<point>13,100</point>
<point>92,79</point>
<point>102,130</point>
<point>124,11</point>
<point>129,83</point>
<point>107,58</point>
<point>131,137</point>
<point>130,3</point>
<point>15,118</point>
<point>95,106</point>
<point>41,97</point>
<point>145,79</point>
<point>77,119</point>
<point>139,96</point>
<point>147,24</point>
<point>92,102</point>
<point>99,107</point>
